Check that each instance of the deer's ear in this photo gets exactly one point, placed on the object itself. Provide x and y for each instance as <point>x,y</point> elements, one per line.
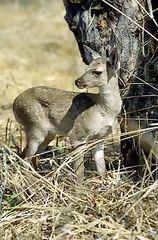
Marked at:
<point>90,54</point>
<point>114,59</point>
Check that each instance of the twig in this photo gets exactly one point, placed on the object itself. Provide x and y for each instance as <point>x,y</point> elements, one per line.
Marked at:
<point>150,13</point>
<point>138,25</point>
<point>14,81</point>
<point>141,79</point>
<point>4,176</point>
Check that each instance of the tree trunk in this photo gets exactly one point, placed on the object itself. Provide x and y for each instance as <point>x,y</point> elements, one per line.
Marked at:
<point>101,25</point>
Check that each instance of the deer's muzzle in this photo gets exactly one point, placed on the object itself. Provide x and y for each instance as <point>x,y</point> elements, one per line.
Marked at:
<point>80,84</point>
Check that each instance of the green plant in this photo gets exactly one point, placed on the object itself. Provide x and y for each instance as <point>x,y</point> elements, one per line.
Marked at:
<point>12,199</point>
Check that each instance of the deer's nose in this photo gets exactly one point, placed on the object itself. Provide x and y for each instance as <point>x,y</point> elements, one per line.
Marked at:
<point>80,83</point>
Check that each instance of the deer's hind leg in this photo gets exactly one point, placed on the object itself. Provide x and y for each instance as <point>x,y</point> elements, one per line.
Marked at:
<point>35,139</point>
<point>42,147</point>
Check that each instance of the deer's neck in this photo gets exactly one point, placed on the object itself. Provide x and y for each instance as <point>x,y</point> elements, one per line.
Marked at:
<point>109,97</point>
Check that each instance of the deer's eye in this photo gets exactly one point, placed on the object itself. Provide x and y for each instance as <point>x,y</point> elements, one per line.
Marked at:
<point>96,73</point>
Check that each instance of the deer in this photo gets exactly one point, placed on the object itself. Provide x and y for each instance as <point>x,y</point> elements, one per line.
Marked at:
<point>45,112</point>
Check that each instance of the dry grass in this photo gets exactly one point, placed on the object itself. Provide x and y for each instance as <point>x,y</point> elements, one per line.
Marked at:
<point>51,205</point>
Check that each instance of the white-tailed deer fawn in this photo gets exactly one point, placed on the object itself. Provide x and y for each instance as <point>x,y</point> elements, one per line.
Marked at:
<point>45,112</point>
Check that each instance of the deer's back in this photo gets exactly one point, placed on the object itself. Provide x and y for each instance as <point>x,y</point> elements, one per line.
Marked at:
<point>59,107</point>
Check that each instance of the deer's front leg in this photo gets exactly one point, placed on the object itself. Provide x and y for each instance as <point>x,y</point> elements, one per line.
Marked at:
<point>79,165</point>
<point>79,168</point>
<point>98,153</point>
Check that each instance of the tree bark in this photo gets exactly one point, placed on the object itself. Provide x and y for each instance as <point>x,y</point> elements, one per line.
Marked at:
<point>101,25</point>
